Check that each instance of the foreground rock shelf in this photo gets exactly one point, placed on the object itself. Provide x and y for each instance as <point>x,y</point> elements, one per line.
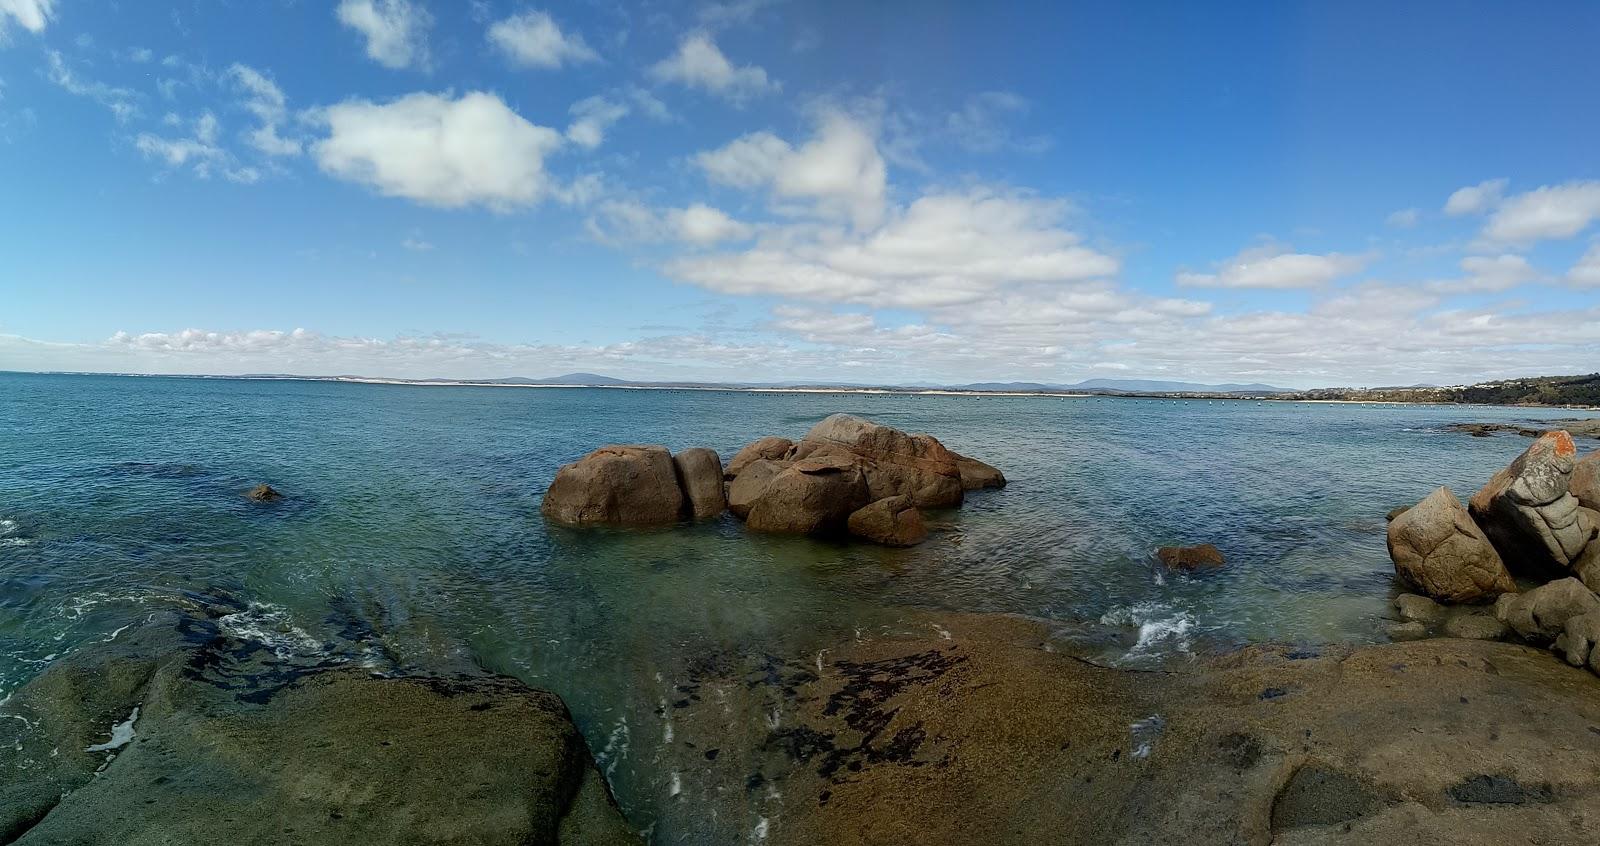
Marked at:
<point>977,731</point>
<point>174,732</point>
<point>846,476</point>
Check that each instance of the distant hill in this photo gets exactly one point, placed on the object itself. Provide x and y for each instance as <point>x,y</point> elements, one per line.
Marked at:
<point>1537,390</point>
<point>1154,387</point>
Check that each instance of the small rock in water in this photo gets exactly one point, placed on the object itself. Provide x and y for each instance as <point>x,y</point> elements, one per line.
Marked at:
<point>264,493</point>
<point>1408,631</point>
<point>1411,607</point>
<point>1395,512</point>
<point>1191,557</point>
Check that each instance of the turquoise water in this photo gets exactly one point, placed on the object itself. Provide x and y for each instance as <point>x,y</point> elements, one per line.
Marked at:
<point>414,512</point>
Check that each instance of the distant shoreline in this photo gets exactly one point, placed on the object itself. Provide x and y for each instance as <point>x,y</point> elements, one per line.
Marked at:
<point>839,390</point>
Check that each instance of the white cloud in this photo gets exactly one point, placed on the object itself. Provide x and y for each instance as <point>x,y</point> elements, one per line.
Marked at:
<point>1475,199</point>
<point>699,64</point>
<point>473,150</point>
<point>1404,218</point>
<point>1586,273</point>
<point>31,15</point>
<point>532,39</point>
<point>980,126</point>
<point>839,171</point>
<point>265,100</point>
<point>1275,266</point>
<point>416,245</point>
<point>592,116</point>
<point>629,221</point>
<point>121,101</point>
<point>943,250</point>
<point>396,30</point>
<point>1489,274</point>
<point>1549,212</point>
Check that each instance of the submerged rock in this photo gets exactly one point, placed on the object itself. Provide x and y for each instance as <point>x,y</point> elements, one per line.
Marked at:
<point>1413,630</point>
<point>812,496</point>
<point>770,448</point>
<point>1191,557</point>
<point>700,476</point>
<point>226,744</point>
<point>1528,511</point>
<point>616,485</point>
<point>976,475</point>
<point>891,521</point>
<point>1438,550</point>
<point>917,466</point>
<point>1475,626</point>
<point>263,493</point>
<point>1410,606</point>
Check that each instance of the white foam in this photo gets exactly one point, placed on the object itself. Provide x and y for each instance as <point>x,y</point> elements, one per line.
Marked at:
<point>15,542</point>
<point>677,785</point>
<point>1160,626</point>
<point>121,735</point>
<point>270,625</point>
<point>760,831</point>
<point>7,527</point>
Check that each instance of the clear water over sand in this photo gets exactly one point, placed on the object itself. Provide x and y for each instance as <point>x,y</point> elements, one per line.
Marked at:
<point>414,512</point>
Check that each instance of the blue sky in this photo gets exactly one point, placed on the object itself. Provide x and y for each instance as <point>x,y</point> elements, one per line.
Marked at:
<point>1300,194</point>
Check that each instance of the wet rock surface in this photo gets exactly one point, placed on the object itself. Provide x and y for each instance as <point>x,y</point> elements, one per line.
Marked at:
<point>176,732</point>
<point>1201,557</point>
<point>978,732</point>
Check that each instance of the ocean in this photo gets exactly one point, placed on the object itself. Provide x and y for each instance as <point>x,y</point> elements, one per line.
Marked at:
<point>412,520</point>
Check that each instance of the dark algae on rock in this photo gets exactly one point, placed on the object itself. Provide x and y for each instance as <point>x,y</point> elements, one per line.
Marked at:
<point>177,732</point>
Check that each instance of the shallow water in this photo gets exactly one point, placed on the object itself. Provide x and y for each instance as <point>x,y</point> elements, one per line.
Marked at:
<point>413,512</point>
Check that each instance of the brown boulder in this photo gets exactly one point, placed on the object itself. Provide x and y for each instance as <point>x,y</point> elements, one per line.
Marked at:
<point>616,485</point>
<point>1438,550</point>
<point>1578,638</point>
<point>1529,513</point>
<point>1586,481</point>
<point>700,476</point>
<point>891,521</point>
<point>263,493</point>
<point>975,475</point>
<point>897,464</point>
<point>1191,557</point>
<point>770,448</point>
<point>813,496</point>
<point>1542,613</point>
<point>751,481</point>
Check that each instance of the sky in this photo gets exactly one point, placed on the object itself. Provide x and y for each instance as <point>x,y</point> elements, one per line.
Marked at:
<point>1301,194</point>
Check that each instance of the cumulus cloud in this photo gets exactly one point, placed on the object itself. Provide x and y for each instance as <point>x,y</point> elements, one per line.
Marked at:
<point>982,124</point>
<point>533,40</point>
<point>1275,266</point>
<point>471,150</point>
<point>942,250</point>
<point>698,63</point>
<point>1586,273</point>
<point>396,31</point>
<point>1549,212</point>
<point>629,221</point>
<point>1475,199</point>
<point>31,15</point>
<point>265,100</point>
<point>1489,274</point>
<point>591,117</point>
<point>838,173</point>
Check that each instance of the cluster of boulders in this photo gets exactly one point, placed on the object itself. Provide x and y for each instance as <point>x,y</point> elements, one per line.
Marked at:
<point>846,476</point>
<point>1537,520</point>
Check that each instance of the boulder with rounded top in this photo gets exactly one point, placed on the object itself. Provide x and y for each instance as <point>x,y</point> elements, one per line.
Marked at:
<point>770,448</point>
<point>1440,552</point>
<point>976,475</point>
<point>751,481</point>
<point>1529,512</point>
<point>1586,481</point>
<point>896,463</point>
<point>891,521</point>
<point>700,476</point>
<point>812,496</point>
<point>616,485</point>
<point>1542,613</point>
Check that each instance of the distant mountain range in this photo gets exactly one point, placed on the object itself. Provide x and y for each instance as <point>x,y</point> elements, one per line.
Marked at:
<point>1099,386</point>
